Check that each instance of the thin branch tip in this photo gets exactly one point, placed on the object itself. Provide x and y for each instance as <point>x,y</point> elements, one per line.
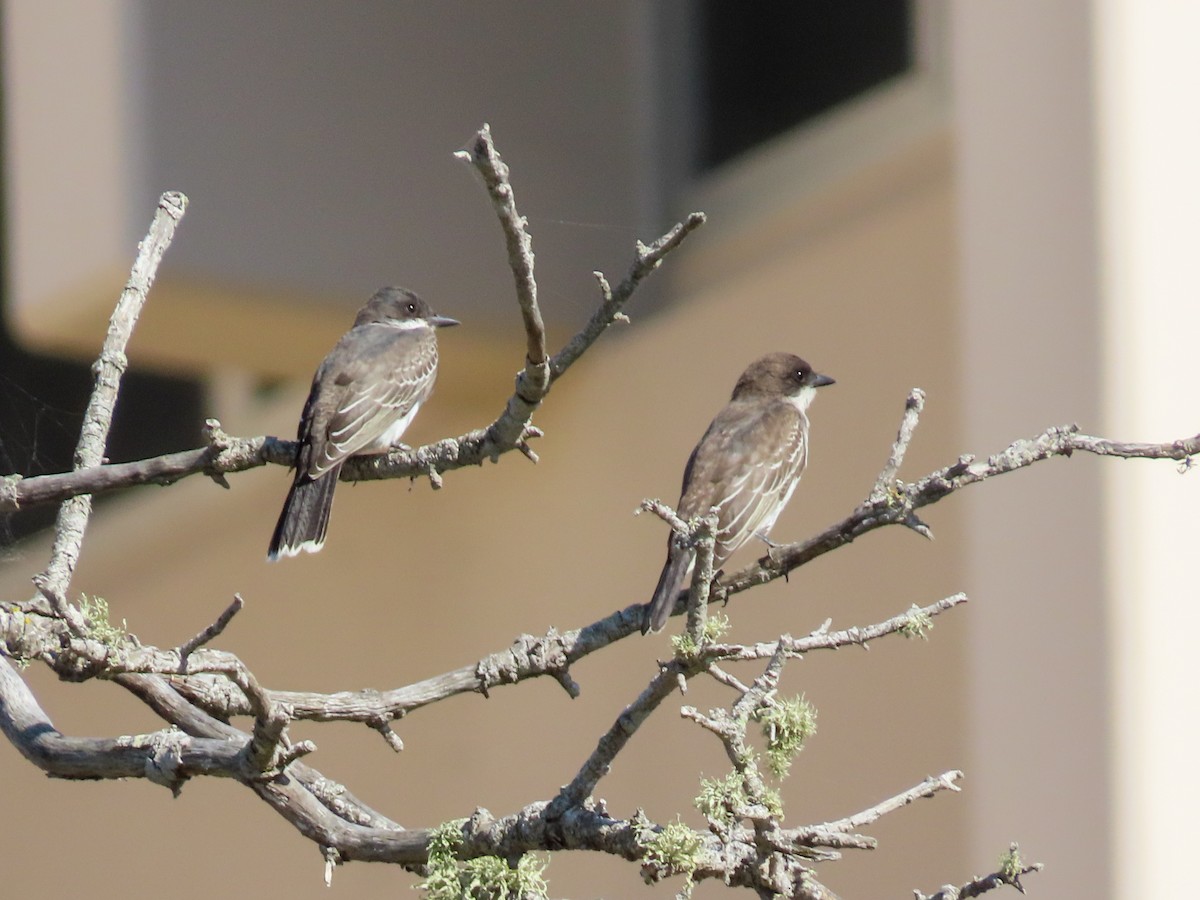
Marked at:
<point>384,727</point>
<point>173,203</point>
<point>605,288</point>
<point>569,684</point>
<point>212,631</point>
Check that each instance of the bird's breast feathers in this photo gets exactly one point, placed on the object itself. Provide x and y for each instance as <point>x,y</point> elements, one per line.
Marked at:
<point>382,379</point>
<point>747,466</point>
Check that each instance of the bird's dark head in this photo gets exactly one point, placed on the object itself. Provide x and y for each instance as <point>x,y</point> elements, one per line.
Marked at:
<point>397,306</point>
<point>780,375</point>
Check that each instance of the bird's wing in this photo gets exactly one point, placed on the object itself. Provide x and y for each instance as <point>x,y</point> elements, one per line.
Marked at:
<point>747,466</point>
<point>384,376</point>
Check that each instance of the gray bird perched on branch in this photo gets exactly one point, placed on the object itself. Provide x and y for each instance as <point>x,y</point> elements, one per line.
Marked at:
<point>746,466</point>
<point>363,396</point>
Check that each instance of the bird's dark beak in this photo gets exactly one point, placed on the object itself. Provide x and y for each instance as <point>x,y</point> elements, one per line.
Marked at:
<point>818,380</point>
<point>443,321</point>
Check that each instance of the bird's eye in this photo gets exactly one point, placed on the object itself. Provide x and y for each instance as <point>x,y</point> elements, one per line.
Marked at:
<point>411,307</point>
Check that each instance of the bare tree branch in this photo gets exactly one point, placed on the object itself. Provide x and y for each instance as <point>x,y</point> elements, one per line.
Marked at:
<point>823,639</point>
<point>165,757</point>
<point>614,740</point>
<point>226,695</point>
<point>647,260</point>
<point>481,153</point>
<point>947,781</point>
<point>97,419</point>
<point>898,505</point>
<point>1010,875</point>
<point>327,814</point>
<point>212,631</point>
<point>339,802</point>
<point>908,425</point>
<point>510,431</point>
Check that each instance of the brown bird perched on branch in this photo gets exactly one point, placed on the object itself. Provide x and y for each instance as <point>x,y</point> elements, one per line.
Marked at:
<point>746,466</point>
<point>363,396</point>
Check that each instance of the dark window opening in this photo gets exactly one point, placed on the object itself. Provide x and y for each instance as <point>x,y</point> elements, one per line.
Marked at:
<point>42,400</point>
<point>769,65</point>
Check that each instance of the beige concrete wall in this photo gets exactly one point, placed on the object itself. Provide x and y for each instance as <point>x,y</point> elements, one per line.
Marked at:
<point>414,582</point>
<point>1032,312</point>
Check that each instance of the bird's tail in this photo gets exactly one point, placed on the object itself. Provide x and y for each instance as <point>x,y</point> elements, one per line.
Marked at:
<point>305,516</point>
<point>669,582</point>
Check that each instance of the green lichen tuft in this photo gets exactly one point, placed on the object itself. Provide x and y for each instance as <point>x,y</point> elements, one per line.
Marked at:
<point>1011,864</point>
<point>715,628</point>
<point>95,610</point>
<point>481,878</point>
<point>773,801</point>
<point>919,624</point>
<point>786,724</point>
<point>720,798</point>
<point>726,799</point>
<point>683,646</point>
<point>676,848</point>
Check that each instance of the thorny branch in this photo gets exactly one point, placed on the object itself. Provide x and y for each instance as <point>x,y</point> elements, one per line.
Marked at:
<point>196,690</point>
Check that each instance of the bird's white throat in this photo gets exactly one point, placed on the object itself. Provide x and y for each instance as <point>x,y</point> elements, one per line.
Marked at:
<point>406,324</point>
<point>803,398</point>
